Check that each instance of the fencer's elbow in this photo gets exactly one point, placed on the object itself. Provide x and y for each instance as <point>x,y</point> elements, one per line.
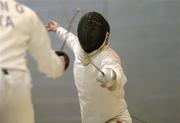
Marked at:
<point>56,76</point>
<point>56,73</point>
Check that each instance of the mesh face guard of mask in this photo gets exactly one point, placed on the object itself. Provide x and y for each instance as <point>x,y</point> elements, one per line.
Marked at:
<point>92,29</point>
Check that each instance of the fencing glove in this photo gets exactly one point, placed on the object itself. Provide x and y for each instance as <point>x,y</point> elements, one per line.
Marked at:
<point>108,79</point>
<point>66,58</point>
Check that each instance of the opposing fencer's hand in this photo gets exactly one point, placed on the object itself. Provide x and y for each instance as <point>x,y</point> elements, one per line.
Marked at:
<point>52,26</point>
<point>108,79</point>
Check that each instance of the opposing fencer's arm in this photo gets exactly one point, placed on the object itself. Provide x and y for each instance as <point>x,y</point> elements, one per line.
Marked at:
<point>40,47</point>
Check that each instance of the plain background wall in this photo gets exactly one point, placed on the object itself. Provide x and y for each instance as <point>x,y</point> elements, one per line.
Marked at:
<point>145,33</point>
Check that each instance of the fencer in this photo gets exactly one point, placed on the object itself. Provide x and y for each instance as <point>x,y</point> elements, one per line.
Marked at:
<point>21,30</point>
<point>98,72</point>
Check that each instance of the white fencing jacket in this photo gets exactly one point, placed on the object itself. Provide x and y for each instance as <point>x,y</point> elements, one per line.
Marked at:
<point>21,30</point>
<point>97,104</point>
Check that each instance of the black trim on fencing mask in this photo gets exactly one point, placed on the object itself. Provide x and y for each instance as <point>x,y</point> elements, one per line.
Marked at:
<point>92,29</point>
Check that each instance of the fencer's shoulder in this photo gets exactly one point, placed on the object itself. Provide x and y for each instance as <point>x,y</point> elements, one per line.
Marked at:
<point>109,51</point>
<point>110,54</point>
<point>30,13</point>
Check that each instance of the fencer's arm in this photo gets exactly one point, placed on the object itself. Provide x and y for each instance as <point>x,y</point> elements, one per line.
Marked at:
<point>114,75</point>
<point>108,79</point>
<point>64,35</point>
<point>49,62</point>
<point>70,38</point>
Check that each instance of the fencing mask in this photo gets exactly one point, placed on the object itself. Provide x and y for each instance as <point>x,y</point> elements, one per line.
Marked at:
<point>92,31</point>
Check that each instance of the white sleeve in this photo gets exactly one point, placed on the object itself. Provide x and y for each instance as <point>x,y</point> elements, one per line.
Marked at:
<point>73,43</point>
<point>40,48</point>
<point>70,38</point>
<point>115,65</point>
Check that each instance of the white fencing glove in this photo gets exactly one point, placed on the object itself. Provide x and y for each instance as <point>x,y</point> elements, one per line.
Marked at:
<point>108,79</point>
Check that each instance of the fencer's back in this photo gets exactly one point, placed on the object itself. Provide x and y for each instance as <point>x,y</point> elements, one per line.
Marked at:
<point>15,33</point>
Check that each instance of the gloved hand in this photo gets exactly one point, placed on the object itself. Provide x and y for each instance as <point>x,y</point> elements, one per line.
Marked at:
<point>66,58</point>
<point>108,79</point>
